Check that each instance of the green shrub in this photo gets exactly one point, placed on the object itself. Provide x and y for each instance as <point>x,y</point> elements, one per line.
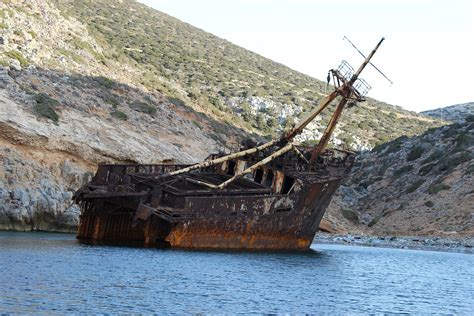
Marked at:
<point>375,220</point>
<point>415,185</point>
<point>33,34</point>
<point>18,56</point>
<point>197,124</point>
<point>3,26</point>
<point>435,155</point>
<point>452,162</point>
<point>119,115</point>
<point>143,107</point>
<point>426,169</point>
<point>382,170</point>
<point>415,153</point>
<point>469,169</point>
<point>350,215</point>
<point>437,187</point>
<point>113,100</point>
<point>463,141</point>
<point>45,106</point>
<point>429,203</point>
<point>105,82</point>
<point>395,145</point>
<point>402,170</point>
<point>452,130</point>
<point>176,101</point>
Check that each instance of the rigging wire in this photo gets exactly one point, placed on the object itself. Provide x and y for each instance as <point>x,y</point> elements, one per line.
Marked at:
<point>346,38</point>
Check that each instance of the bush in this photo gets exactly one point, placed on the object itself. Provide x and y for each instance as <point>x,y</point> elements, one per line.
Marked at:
<point>143,107</point>
<point>119,115</point>
<point>415,153</point>
<point>197,124</point>
<point>437,187</point>
<point>434,156</point>
<point>176,101</point>
<point>375,220</point>
<point>402,170</point>
<point>415,185</point>
<point>113,100</point>
<point>350,215</point>
<point>426,169</point>
<point>393,146</point>
<point>429,203</point>
<point>457,159</point>
<point>469,169</point>
<point>45,106</point>
<point>18,56</point>
<point>105,82</point>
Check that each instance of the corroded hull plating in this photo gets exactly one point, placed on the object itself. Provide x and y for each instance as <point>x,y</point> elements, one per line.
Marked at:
<point>270,196</point>
<point>270,222</point>
<point>271,210</point>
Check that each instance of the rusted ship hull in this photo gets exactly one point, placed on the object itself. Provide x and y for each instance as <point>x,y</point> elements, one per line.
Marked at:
<point>272,214</point>
<point>270,196</point>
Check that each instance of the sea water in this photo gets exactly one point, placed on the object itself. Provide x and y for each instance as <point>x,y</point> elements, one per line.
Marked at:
<point>43,273</point>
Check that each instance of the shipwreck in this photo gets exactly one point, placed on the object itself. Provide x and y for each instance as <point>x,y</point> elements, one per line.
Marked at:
<point>269,196</point>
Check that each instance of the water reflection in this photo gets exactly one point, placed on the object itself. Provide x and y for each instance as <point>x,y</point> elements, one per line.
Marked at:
<point>53,273</point>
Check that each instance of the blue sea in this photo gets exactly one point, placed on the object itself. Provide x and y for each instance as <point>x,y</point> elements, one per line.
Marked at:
<point>44,273</point>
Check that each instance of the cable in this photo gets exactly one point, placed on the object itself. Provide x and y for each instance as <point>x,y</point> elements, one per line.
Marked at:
<point>391,82</point>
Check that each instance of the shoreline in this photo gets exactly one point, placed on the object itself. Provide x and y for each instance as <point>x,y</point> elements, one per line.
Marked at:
<point>461,244</point>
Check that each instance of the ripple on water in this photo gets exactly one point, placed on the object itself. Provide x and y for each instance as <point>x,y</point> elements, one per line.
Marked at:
<point>53,273</point>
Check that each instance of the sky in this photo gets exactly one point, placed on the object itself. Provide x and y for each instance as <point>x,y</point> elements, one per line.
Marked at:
<point>428,50</point>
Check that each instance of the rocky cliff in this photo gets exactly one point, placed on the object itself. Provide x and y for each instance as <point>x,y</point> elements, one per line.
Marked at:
<point>412,186</point>
<point>453,113</point>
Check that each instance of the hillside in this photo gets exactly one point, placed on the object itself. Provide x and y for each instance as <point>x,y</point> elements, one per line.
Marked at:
<point>453,113</point>
<point>134,44</point>
<point>422,185</point>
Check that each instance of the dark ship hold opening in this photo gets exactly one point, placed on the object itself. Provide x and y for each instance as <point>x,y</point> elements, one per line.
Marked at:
<point>271,196</point>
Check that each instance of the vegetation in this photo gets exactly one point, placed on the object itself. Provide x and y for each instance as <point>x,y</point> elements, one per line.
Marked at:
<point>195,68</point>
<point>469,170</point>
<point>437,187</point>
<point>105,82</point>
<point>429,203</point>
<point>119,115</point>
<point>375,220</point>
<point>424,170</point>
<point>143,107</point>
<point>415,153</point>
<point>350,215</point>
<point>113,100</point>
<point>402,170</point>
<point>435,155</point>
<point>45,107</point>
<point>392,146</point>
<point>18,56</point>
<point>454,160</point>
<point>415,185</point>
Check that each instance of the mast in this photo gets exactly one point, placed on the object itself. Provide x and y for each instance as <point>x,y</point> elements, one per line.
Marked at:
<point>347,91</point>
<point>348,86</point>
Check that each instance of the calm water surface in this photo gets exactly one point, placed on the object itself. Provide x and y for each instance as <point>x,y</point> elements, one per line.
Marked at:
<point>52,273</point>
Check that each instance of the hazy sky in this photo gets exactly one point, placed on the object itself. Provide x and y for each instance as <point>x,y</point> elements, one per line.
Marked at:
<point>428,51</point>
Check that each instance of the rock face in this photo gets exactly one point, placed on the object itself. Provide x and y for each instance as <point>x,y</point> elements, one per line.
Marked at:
<point>453,113</point>
<point>413,186</point>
